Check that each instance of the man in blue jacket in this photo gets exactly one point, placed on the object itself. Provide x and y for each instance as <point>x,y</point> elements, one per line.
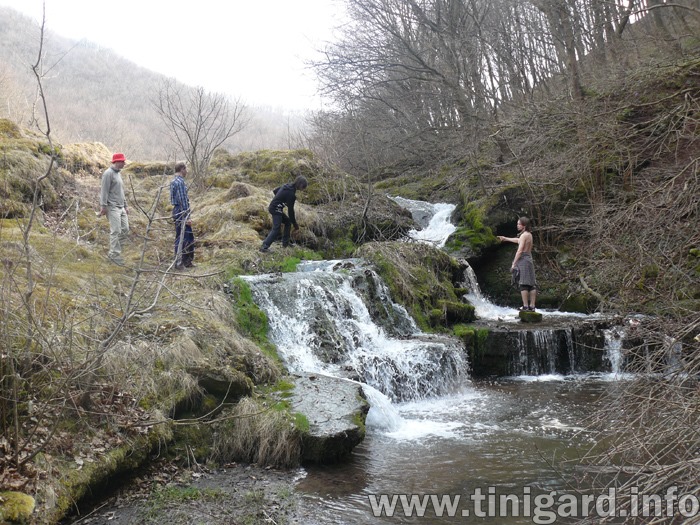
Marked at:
<point>184,237</point>
<point>284,196</point>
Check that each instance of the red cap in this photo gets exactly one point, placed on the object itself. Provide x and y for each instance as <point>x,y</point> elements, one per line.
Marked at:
<point>118,157</point>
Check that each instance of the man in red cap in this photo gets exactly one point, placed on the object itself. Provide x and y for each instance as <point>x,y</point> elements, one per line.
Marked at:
<point>113,205</point>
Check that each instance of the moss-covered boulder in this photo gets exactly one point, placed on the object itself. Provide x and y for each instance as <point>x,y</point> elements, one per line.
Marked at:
<point>423,279</point>
<point>530,317</point>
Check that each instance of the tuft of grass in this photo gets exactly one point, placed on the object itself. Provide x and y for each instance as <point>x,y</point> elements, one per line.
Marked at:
<point>254,433</point>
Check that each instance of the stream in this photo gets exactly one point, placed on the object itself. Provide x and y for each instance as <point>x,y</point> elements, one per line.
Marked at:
<point>440,446</point>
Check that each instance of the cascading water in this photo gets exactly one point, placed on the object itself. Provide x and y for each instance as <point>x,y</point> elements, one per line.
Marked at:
<point>430,429</point>
<point>539,350</point>
<point>337,318</point>
<point>434,219</point>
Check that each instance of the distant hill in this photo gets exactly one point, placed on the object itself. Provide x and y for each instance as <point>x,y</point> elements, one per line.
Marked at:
<point>95,95</point>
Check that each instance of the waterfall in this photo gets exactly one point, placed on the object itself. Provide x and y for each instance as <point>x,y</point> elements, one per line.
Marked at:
<point>536,353</point>
<point>613,348</point>
<point>337,318</point>
<point>434,219</point>
<point>483,308</point>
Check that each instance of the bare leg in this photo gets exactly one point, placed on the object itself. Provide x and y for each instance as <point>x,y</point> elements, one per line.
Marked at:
<point>533,296</point>
<point>524,294</point>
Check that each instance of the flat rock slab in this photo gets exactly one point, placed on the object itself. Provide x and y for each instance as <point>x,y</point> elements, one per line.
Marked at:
<point>336,410</point>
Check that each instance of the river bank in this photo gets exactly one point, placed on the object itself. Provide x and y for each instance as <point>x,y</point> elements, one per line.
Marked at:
<point>166,494</point>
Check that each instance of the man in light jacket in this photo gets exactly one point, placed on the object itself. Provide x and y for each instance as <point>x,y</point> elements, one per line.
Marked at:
<point>113,205</point>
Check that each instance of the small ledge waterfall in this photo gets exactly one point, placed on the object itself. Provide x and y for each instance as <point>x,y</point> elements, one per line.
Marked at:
<point>568,344</point>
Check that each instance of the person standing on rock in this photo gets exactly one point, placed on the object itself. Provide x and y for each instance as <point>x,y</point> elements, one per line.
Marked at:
<point>523,267</point>
<point>285,195</point>
<point>113,205</point>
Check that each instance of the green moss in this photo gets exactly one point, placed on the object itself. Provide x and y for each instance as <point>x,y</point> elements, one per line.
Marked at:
<point>191,440</point>
<point>359,419</point>
<point>340,248</point>
<point>455,311</point>
<point>475,339</point>
<point>471,232</point>
<point>301,422</point>
<point>284,386</point>
<point>251,320</point>
<point>463,331</point>
<point>482,334</point>
<point>16,507</point>
<point>436,317</point>
<point>289,264</point>
<point>75,483</point>
<point>307,255</point>
<point>530,317</point>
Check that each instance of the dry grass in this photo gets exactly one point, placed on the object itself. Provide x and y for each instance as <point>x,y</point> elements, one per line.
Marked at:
<point>258,434</point>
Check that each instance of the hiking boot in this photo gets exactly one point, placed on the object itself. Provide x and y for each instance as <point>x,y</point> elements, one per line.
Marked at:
<point>264,249</point>
<point>117,260</point>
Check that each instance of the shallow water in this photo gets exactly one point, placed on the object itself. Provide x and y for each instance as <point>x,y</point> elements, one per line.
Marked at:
<point>508,436</point>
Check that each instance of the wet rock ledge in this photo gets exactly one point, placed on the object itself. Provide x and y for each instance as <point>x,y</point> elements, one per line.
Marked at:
<point>336,410</point>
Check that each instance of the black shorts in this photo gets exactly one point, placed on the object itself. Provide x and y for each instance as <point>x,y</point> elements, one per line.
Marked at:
<point>526,288</point>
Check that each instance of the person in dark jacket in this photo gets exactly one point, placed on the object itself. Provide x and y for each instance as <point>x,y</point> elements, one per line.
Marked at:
<point>182,216</point>
<point>285,195</point>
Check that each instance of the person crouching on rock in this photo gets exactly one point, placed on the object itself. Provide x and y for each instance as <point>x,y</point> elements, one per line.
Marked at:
<point>285,195</point>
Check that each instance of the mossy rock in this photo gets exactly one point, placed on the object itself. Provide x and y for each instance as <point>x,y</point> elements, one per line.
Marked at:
<point>419,276</point>
<point>530,317</point>
<point>456,312</point>
<point>472,236</point>
<point>225,383</point>
<point>580,303</point>
<point>16,507</point>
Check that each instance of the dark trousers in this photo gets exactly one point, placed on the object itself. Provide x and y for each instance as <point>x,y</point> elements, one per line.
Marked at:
<point>184,243</point>
<point>278,219</point>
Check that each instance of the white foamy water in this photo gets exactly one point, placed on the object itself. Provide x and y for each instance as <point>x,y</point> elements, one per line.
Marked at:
<point>435,220</point>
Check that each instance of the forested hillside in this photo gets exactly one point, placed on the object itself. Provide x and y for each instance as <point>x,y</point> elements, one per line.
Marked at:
<point>98,96</point>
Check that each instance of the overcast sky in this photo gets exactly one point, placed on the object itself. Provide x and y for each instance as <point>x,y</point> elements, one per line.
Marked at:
<point>250,48</point>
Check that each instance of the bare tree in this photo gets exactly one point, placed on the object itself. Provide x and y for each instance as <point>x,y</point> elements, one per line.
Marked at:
<point>198,121</point>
